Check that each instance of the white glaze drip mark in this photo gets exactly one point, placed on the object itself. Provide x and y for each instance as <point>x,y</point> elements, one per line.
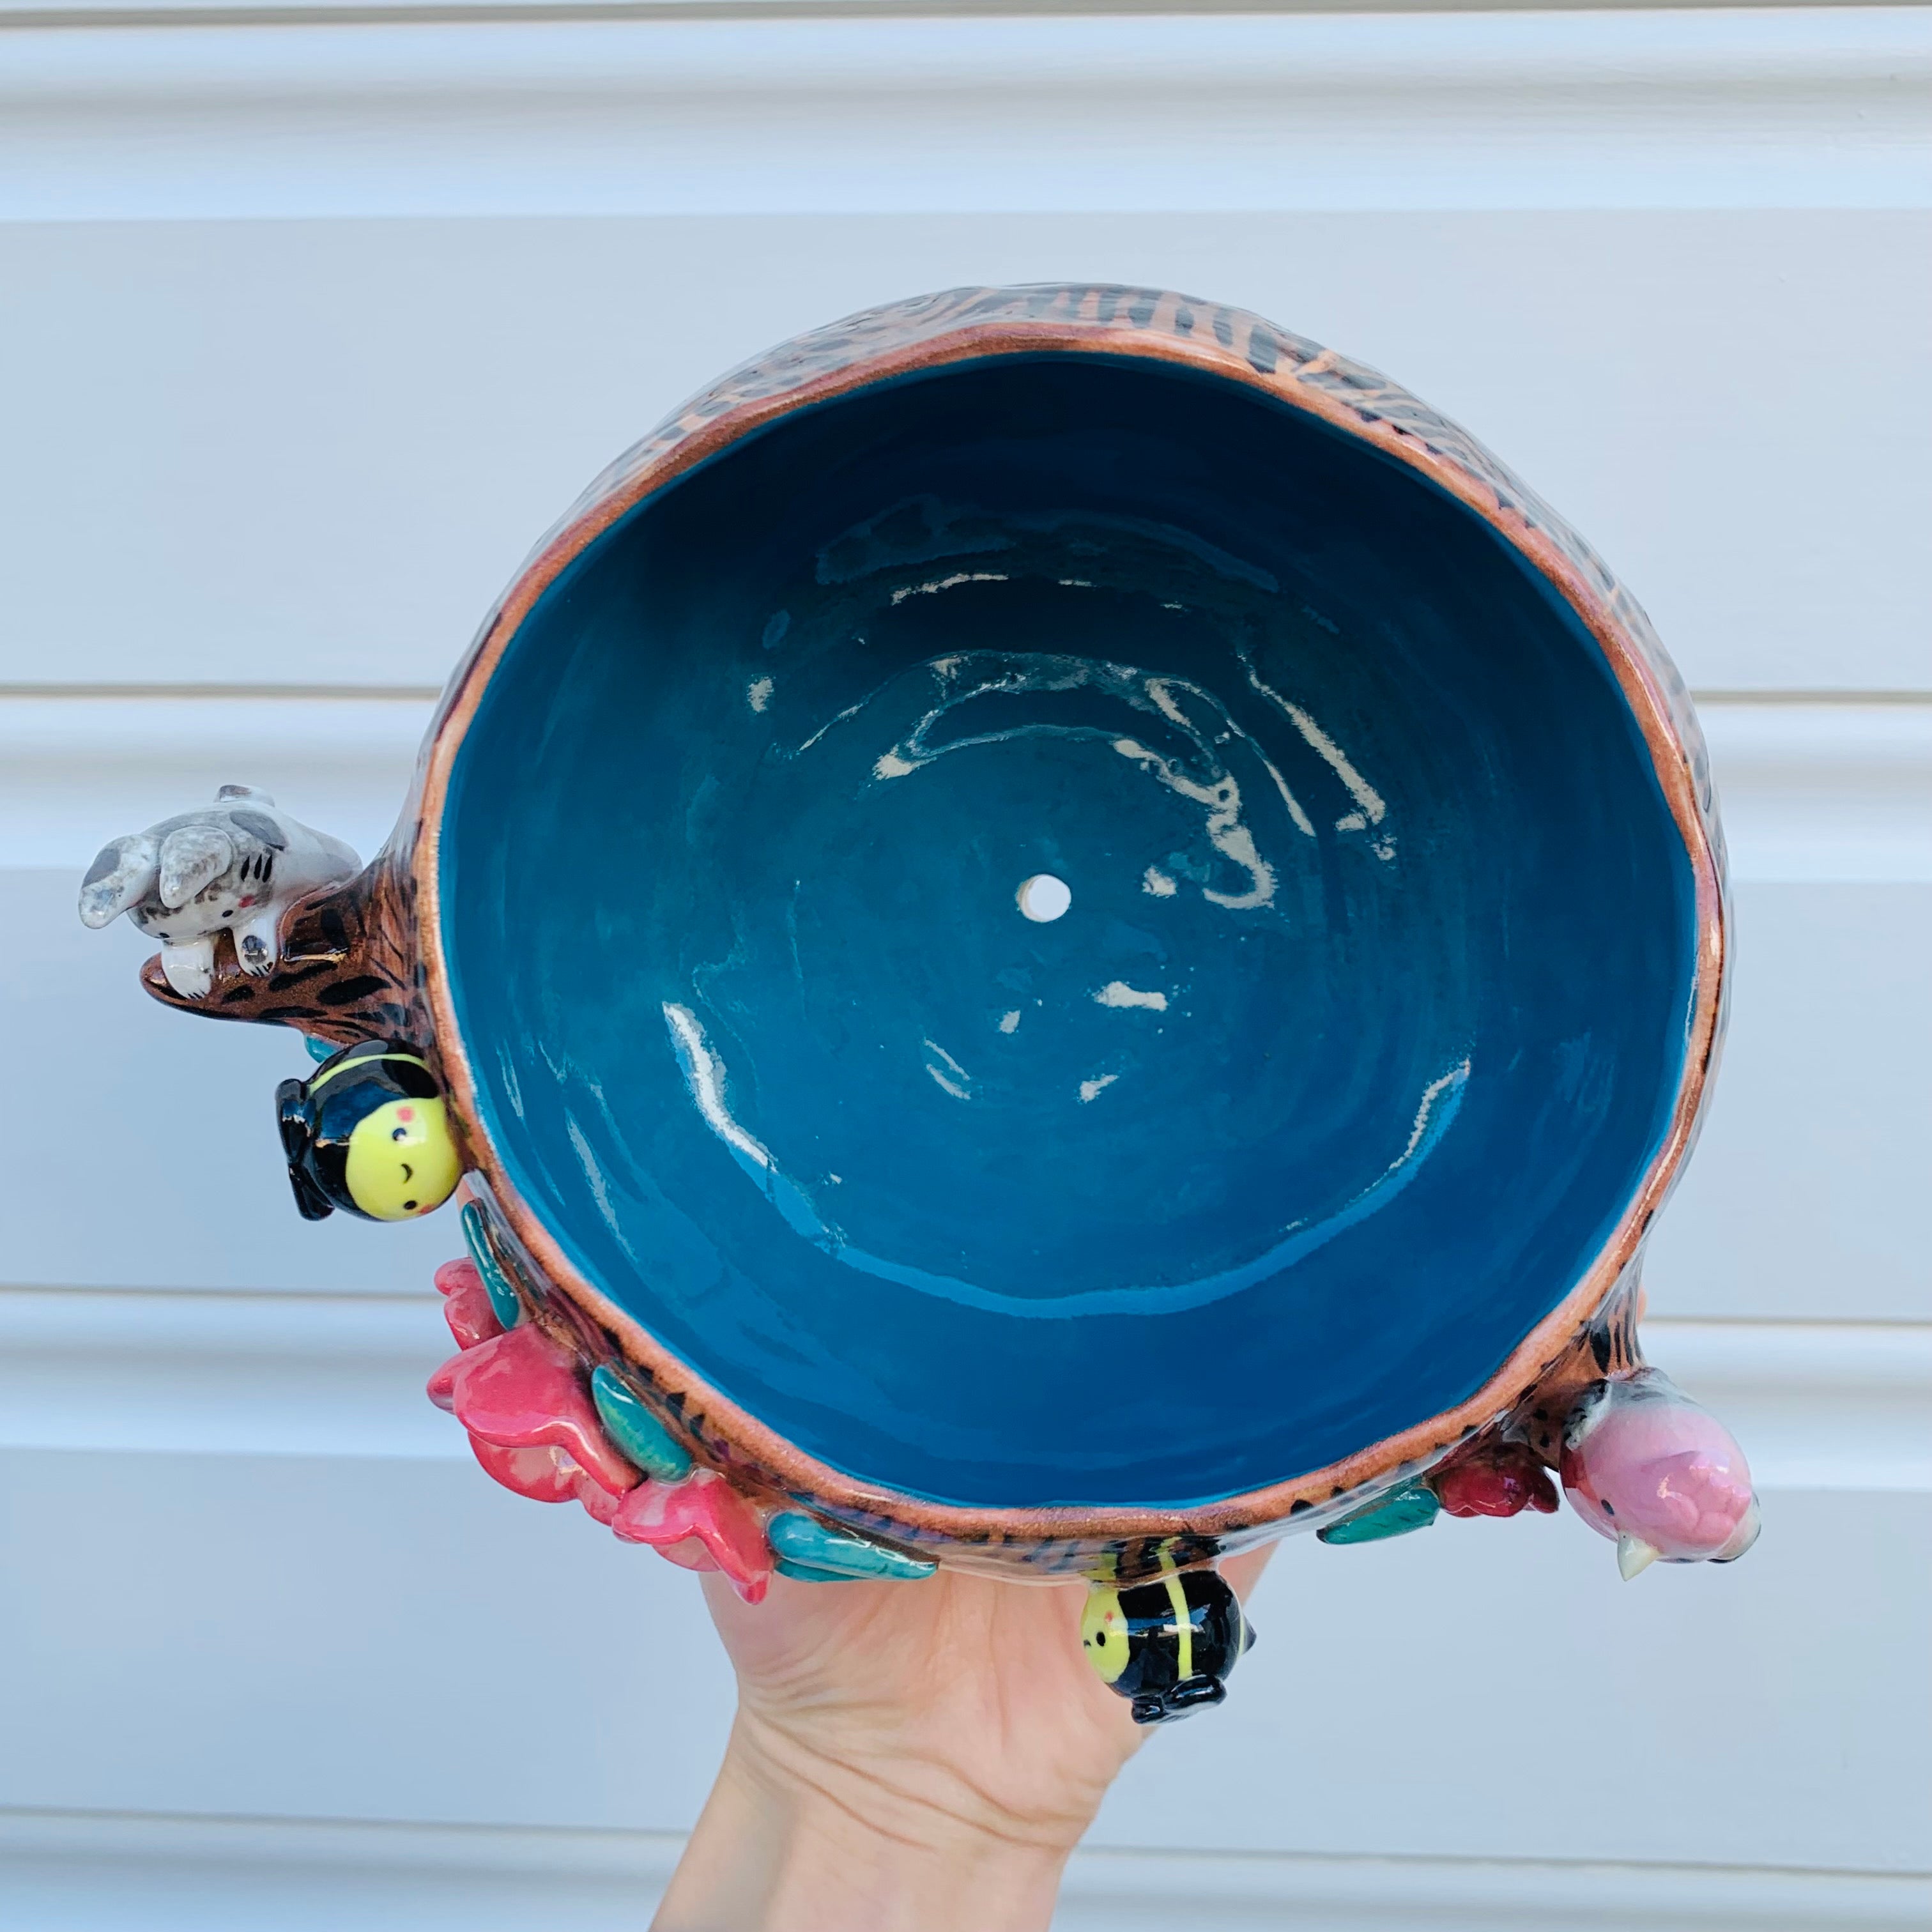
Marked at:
<point>940,584</point>
<point>1118,993</point>
<point>956,1080</point>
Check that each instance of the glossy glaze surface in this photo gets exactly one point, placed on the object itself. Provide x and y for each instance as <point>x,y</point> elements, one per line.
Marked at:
<point>1363,1019</point>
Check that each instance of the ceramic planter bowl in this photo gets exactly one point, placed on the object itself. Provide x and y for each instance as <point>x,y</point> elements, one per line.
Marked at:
<point>1061,925</point>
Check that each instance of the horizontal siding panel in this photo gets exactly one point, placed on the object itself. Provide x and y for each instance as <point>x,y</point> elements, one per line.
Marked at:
<point>42,14</point>
<point>1838,793</point>
<point>79,1872</point>
<point>76,771</point>
<point>1806,1196</point>
<point>1817,1406</point>
<point>1817,795</point>
<point>398,1640</point>
<point>155,1373</point>
<point>1790,108</point>
<point>1131,1892</point>
<point>151,1160</point>
<point>313,452</point>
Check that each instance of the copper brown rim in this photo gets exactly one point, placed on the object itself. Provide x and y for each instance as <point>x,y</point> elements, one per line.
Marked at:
<point>756,1452</point>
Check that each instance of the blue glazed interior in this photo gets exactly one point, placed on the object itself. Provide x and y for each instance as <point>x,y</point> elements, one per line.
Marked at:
<point>1366,1018</point>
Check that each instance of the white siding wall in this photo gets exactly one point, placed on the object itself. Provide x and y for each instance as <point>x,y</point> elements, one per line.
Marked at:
<point>308,328</point>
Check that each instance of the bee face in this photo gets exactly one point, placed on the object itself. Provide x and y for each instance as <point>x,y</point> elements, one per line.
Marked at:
<point>1103,1632</point>
<point>402,1160</point>
<point>369,1132</point>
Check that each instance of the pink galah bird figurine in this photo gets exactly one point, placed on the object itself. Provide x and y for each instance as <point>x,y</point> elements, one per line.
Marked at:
<point>1643,1464</point>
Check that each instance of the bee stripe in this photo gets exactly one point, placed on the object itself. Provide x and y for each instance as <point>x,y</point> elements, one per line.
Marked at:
<point>323,1079</point>
<point>1184,1625</point>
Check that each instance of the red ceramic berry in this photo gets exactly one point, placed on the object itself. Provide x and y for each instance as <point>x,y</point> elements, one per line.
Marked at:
<point>1504,1480</point>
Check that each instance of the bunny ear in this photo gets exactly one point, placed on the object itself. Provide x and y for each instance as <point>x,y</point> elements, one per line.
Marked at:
<point>190,857</point>
<point>122,874</point>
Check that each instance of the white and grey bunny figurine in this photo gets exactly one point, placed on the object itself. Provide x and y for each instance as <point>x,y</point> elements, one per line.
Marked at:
<point>233,866</point>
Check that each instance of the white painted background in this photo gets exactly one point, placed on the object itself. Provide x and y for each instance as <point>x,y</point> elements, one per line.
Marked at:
<point>311,320</point>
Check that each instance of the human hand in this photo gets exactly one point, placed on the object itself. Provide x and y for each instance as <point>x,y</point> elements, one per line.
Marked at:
<point>905,1755</point>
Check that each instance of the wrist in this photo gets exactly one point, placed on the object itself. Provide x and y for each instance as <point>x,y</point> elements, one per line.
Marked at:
<point>796,1840</point>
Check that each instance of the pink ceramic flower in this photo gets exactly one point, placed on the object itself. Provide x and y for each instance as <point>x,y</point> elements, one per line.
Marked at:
<point>467,1306</point>
<point>533,1428</point>
<point>546,1474</point>
<point>522,1391</point>
<point>705,1510</point>
<point>1644,1465</point>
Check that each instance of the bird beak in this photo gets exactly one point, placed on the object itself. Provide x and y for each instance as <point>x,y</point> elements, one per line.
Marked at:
<point>1634,1556</point>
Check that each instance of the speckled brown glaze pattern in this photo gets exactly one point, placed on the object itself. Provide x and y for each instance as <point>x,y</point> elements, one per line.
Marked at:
<point>349,971</point>
<point>372,981</point>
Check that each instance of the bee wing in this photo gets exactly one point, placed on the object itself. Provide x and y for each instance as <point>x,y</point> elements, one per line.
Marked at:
<point>311,1201</point>
<point>295,1117</point>
<point>121,875</point>
<point>191,857</point>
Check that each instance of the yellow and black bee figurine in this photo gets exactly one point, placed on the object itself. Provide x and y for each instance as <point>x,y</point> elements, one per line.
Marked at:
<point>368,1132</point>
<point>1167,1644</point>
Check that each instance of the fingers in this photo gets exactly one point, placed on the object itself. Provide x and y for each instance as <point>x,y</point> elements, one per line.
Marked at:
<point>1243,1572</point>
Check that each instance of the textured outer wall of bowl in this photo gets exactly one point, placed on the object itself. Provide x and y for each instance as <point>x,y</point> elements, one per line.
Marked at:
<point>908,343</point>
